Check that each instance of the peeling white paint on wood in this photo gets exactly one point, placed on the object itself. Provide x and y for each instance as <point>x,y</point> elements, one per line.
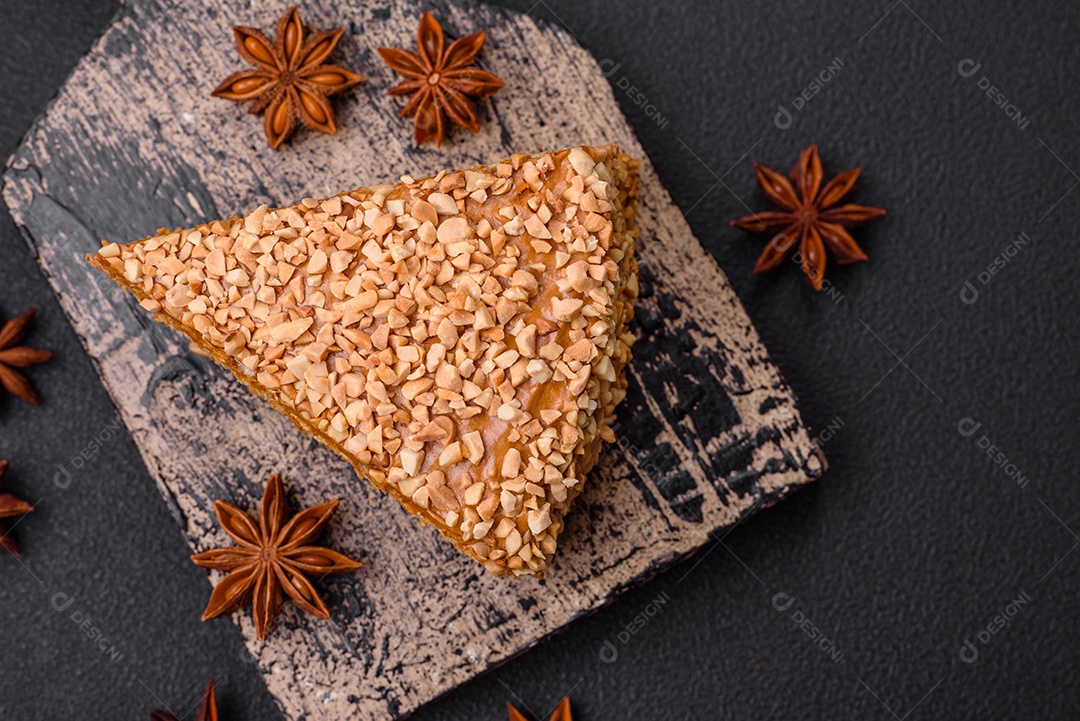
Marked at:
<point>709,432</point>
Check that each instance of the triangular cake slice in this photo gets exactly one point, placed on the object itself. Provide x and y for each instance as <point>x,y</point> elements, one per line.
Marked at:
<point>459,339</point>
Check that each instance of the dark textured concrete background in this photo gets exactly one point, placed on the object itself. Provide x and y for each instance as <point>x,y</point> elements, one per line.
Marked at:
<point>923,577</point>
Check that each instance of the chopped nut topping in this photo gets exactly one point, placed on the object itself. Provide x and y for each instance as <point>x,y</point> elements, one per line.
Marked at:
<point>460,339</point>
<point>566,308</point>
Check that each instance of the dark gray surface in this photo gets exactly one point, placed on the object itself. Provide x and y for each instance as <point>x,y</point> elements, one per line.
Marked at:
<point>914,542</point>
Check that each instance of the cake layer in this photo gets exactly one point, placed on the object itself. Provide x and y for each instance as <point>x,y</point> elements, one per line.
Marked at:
<point>460,339</point>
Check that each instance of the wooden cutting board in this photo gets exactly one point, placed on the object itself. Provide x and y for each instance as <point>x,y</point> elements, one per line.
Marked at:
<point>709,433</point>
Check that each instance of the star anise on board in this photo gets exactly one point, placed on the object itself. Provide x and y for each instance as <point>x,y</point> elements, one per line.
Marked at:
<point>10,506</point>
<point>561,713</point>
<point>811,217</point>
<point>273,556</point>
<point>14,356</point>
<point>207,710</point>
<point>290,81</point>
<point>441,81</point>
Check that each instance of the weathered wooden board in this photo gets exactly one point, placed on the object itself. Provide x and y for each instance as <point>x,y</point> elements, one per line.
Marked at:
<point>709,432</point>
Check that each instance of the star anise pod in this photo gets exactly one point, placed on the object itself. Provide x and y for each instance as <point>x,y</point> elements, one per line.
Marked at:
<point>14,356</point>
<point>811,217</point>
<point>561,713</point>
<point>441,81</point>
<point>10,506</point>
<point>291,81</point>
<point>273,556</point>
<point>207,710</point>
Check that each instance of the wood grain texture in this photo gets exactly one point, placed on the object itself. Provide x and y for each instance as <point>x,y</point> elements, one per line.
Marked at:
<point>708,433</point>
